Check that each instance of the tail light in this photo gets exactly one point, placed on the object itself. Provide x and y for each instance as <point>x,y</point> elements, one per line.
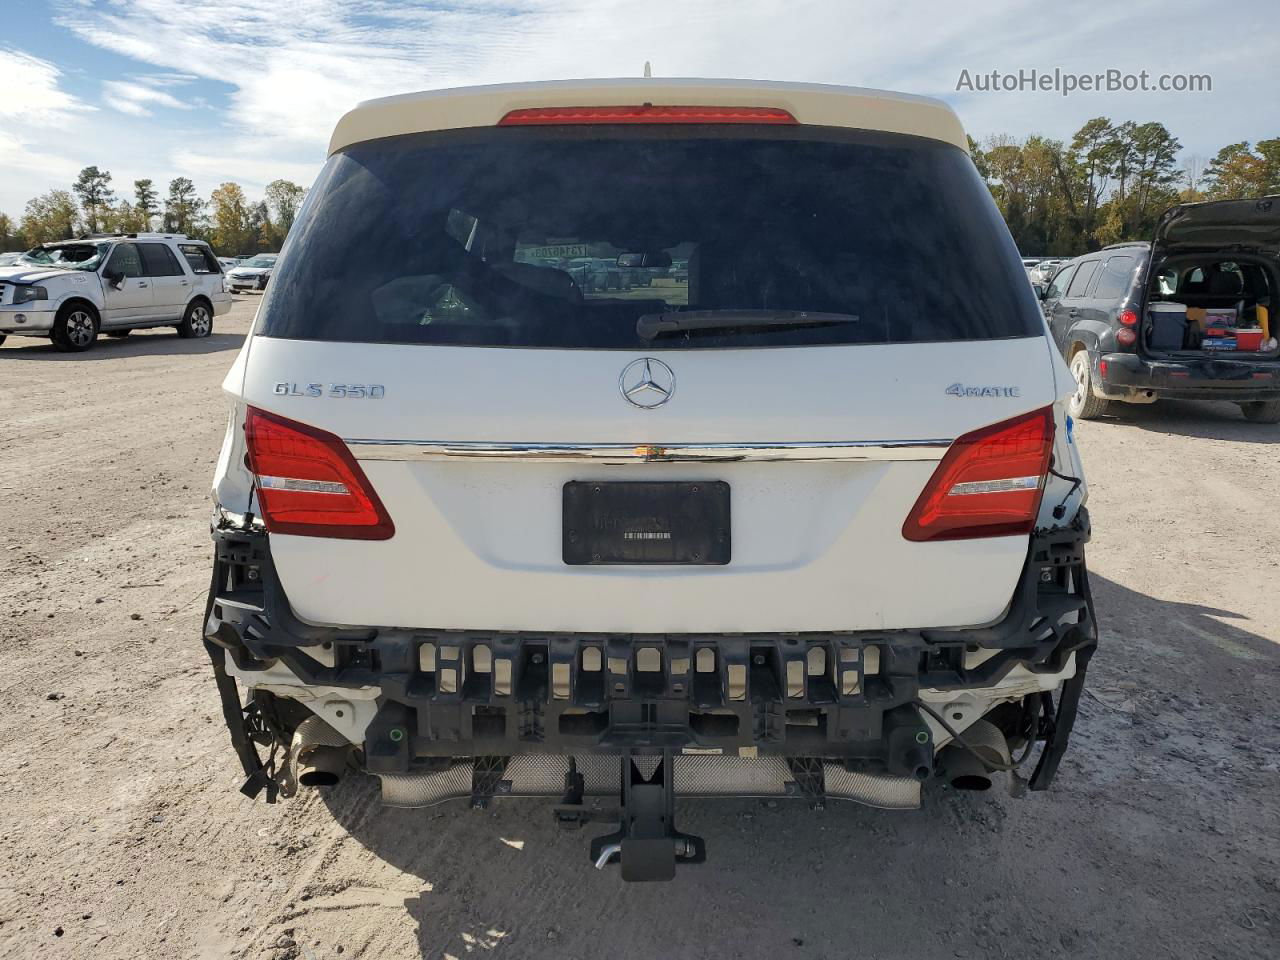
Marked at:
<point>1126,337</point>
<point>989,483</point>
<point>308,483</point>
<point>1129,318</point>
<point>645,113</point>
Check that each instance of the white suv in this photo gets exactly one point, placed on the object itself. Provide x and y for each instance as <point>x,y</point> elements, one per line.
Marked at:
<point>803,521</point>
<point>71,290</point>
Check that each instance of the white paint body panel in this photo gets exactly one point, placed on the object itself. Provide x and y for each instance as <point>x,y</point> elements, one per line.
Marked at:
<point>816,546</point>
<point>818,104</point>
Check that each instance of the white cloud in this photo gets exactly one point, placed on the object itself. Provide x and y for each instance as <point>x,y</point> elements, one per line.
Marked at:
<point>136,96</point>
<point>294,68</point>
<point>34,83</point>
<point>252,165</point>
<point>31,136</point>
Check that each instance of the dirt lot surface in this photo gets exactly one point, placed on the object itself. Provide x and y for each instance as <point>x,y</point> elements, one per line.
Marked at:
<point>124,835</point>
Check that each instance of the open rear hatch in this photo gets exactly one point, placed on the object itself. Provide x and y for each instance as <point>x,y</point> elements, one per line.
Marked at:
<point>1214,283</point>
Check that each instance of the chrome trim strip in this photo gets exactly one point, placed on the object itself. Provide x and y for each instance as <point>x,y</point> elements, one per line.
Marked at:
<point>294,485</point>
<point>623,453</point>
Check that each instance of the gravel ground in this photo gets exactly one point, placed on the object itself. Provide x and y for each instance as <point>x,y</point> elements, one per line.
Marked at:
<point>125,836</point>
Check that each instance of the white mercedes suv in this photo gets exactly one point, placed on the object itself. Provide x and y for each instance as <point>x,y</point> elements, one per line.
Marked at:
<point>72,290</point>
<point>802,519</point>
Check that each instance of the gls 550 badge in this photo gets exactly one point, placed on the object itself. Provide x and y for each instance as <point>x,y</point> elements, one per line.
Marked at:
<point>960,390</point>
<point>339,391</point>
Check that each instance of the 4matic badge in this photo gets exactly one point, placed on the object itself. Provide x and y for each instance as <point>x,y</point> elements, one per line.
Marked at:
<point>961,390</point>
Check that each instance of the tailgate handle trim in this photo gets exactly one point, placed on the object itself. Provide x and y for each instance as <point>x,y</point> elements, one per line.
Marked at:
<point>422,450</point>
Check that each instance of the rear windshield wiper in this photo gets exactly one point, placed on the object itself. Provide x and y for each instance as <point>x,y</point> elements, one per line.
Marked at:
<point>652,325</point>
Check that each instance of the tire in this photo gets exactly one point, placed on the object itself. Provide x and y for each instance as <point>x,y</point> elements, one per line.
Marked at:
<point>75,329</point>
<point>197,323</point>
<point>119,334</point>
<point>1083,405</point>
<point>1261,411</point>
<point>3,338</point>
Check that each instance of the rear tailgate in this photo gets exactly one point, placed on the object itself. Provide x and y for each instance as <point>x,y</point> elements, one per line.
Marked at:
<point>816,545</point>
<point>452,270</point>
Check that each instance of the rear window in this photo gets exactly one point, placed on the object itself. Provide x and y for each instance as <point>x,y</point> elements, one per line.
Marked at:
<point>159,261</point>
<point>579,237</point>
<point>200,258</point>
<point>1081,282</point>
<point>1114,282</point>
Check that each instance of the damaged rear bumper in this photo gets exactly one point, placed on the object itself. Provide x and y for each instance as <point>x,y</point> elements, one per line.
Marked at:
<point>451,714</point>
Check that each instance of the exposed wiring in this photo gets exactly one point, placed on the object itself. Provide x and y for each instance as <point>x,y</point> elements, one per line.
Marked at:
<point>985,761</point>
<point>1060,510</point>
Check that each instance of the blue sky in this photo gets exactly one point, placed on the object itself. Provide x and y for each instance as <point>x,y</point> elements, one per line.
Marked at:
<point>249,90</point>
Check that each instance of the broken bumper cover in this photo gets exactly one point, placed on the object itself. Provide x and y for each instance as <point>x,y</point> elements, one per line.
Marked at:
<point>480,714</point>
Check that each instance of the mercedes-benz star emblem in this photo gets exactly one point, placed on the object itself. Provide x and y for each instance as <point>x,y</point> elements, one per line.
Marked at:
<point>647,383</point>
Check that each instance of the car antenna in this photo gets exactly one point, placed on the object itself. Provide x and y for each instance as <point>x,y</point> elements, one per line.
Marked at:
<point>648,70</point>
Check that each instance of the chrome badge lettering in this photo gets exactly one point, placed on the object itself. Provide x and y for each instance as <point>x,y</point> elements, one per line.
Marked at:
<point>297,390</point>
<point>357,391</point>
<point>339,391</point>
<point>960,390</point>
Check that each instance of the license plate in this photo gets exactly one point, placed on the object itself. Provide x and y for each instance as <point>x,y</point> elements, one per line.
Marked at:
<point>646,522</point>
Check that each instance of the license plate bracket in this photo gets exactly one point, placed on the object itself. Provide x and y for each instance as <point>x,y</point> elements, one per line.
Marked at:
<point>646,521</point>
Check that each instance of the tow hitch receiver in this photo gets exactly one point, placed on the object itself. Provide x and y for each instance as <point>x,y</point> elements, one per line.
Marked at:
<point>646,841</point>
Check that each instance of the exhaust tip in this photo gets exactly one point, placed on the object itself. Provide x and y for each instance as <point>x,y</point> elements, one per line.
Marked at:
<point>317,778</point>
<point>965,771</point>
<point>971,781</point>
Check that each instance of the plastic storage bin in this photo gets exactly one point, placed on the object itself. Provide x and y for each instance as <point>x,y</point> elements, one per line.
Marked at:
<point>1168,326</point>
<point>1249,340</point>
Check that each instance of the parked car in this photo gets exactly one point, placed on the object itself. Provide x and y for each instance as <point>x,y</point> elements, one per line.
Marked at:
<point>598,275</point>
<point>1043,271</point>
<point>1190,315</point>
<point>71,290</point>
<point>472,539</point>
<point>640,269</point>
<point>228,263</point>
<point>251,274</point>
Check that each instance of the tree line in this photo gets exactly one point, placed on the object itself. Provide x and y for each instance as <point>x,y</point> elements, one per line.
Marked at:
<point>228,220</point>
<point>1111,182</point>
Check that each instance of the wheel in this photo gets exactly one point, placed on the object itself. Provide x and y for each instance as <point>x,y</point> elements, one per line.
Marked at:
<point>1262,411</point>
<point>1083,405</point>
<point>198,321</point>
<point>75,329</point>
<point>119,334</point>
<point>3,338</point>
